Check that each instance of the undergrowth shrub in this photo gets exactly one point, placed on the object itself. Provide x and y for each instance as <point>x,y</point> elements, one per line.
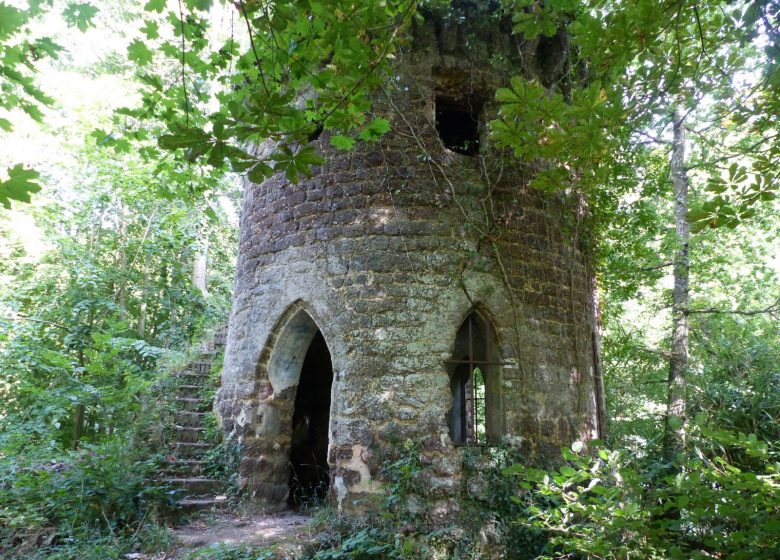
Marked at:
<point>720,500</point>
<point>99,493</point>
<point>491,508</point>
<point>221,460</point>
<point>393,529</point>
<point>368,542</point>
<point>231,552</point>
<point>403,527</point>
<point>615,505</point>
<point>106,498</point>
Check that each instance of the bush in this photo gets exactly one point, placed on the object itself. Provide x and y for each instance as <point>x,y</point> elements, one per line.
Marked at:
<point>484,527</point>
<point>614,505</point>
<point>98,494</point>
<point>227,552</point>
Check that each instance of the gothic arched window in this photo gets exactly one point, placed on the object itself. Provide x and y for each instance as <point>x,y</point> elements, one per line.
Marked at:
<point>476,414</point>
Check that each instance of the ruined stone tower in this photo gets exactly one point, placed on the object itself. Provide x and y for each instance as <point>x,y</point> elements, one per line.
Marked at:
<point>413,289</point>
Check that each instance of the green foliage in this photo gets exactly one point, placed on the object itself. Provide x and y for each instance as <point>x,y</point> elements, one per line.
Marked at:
<point>614,505</point>
<point>20,184</point>
<point>307,66</point>
<point>84,329</point>
<point>78,497</point>
<point>20,48</point>
<point>222,459</point>
<point>18,52</point>
<point>490,504</point>
<point>395,532</point>
<point>342,142</point>
<point>402,475</point>
<point>732,371</point>
<point>365,543</point>
<point>101,501</point>
<point>139,53</point>
<point>405,527</point>
<point>625,68</point>
<point>86,325</point>
<point>738,385</point>
<point>79,14</point>
<point>226,552</point>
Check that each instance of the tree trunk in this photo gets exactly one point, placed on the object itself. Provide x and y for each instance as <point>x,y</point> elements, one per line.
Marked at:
<point>674,436</point>
<point>78,417</point>
<point>199,265</point>
<point>122,261</point>
<point>78,425</point>
<point>598,371</point>
<point>141,325</point>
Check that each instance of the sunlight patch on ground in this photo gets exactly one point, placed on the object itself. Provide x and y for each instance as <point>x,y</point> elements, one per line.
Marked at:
<point>233,530</point>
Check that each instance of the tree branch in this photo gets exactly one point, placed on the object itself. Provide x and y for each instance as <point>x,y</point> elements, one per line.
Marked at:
<point>770,309</point>
<point>701,31</point>
<point>656,267</point>
<point>34,320</point>
<point>640,384</point>
<point>184,68</point>
<point>252,42</point>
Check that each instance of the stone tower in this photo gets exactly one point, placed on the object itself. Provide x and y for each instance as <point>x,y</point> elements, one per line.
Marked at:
<point>413,289</point>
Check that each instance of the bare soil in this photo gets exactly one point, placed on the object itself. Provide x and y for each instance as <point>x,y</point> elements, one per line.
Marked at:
<point>229,529</point>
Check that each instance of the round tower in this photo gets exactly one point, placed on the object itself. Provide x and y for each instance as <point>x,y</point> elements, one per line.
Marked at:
<point>412,289</point>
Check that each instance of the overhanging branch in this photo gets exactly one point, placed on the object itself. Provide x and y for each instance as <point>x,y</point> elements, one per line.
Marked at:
<point>656,267</point>
<point>20,317</point>
<point>769,309</point>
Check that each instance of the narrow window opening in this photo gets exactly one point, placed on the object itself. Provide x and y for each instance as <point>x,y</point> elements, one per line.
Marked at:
<point>475,415</point>
<point>457,123</point>
<point>309,472</point>
<point>478,405</point>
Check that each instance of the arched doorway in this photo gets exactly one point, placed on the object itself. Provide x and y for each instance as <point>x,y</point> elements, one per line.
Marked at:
<point>295,419</point>
<point>309,473</point>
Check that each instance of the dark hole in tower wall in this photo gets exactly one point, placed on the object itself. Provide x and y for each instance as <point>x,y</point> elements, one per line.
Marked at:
<point>551,58</point>
<point>309,473</point>
<point>457,123</point>
<point>315,134</point>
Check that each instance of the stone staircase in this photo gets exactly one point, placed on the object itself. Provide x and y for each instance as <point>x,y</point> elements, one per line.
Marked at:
<point>186,467</point>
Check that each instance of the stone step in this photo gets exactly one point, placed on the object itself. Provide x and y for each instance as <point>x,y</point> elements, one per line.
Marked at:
<point>190,391</point>
<point>191,505</point>
<point>186,468</point>
<point>220,337</point>
<point>199,368</point>
<point>187,382</point>
<point>193,378</point>
<point>196,486</point>
<point>190,450</point>
<point>190,419</point>
<point>188,434</point>
<point>192,404</point>
<point>190,386</point>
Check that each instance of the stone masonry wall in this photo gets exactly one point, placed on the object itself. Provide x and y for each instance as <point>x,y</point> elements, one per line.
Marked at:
<point>387,249</point>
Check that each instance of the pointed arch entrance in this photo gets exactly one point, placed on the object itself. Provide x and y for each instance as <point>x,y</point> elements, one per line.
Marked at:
<point>301,374</point>
<point>309,473</point>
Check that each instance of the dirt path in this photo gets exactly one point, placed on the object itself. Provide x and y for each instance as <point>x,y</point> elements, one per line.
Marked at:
<point>234,530</point>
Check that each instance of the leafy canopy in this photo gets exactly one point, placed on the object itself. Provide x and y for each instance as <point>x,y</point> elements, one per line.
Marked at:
<point>20,48</point>
<point>299,68</point>
<point>628,66</point>
<point>289,69</point>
